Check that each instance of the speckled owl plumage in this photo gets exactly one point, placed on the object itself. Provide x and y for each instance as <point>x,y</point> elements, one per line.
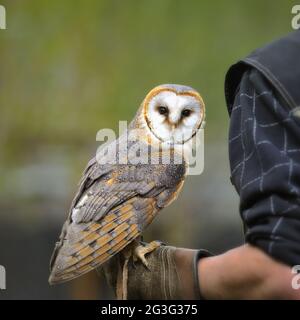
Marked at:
<point>116,202</point>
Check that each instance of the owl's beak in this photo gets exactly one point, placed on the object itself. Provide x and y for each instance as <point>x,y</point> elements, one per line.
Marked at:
<point>173,126</point>
<point>173,120</point>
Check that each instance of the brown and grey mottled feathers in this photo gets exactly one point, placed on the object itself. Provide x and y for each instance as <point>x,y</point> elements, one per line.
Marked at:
<point>113,206</point>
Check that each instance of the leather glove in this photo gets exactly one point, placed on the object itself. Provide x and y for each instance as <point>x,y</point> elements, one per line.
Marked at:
<point>172,273</point>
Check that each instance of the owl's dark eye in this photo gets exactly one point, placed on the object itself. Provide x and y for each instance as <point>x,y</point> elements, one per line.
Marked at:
<point>186,113</point>
<point>162,110</point>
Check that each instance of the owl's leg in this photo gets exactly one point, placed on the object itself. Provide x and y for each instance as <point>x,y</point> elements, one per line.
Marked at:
<point>125,277</point>
<point>137,250</point>
<point>122,277</point>
<point>119,285</point>
<point>142,249</point>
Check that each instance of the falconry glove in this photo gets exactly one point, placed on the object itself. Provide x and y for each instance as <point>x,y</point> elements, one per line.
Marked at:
<point>171,274</point>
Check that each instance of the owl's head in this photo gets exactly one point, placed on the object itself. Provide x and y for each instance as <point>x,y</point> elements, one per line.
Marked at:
<point>173,113</point>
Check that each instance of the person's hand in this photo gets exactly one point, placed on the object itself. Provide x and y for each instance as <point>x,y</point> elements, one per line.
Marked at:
<point>171,273</point>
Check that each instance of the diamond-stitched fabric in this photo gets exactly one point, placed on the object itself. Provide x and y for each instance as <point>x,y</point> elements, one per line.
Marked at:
<point>264,151</point>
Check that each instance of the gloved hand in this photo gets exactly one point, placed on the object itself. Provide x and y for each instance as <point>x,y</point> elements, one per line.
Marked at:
<point>172,273</point>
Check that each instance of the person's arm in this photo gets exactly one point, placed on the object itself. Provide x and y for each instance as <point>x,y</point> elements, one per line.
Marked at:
<point>264,159</point>
<point>245,272</point>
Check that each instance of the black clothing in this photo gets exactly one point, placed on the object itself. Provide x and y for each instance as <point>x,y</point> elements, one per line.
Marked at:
<point>263,99</point>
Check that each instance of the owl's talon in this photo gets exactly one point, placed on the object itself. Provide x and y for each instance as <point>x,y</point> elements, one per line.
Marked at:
<point>144,248</point>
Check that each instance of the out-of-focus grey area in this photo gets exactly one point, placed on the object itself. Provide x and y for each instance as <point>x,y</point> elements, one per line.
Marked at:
<point>70,68</point>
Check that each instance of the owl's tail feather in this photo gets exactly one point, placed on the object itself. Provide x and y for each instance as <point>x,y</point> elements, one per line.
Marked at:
<point>96,258</point>
<point>87,246</point>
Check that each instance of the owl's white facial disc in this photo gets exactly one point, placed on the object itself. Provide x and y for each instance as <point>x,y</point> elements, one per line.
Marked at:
<point>174,118</point>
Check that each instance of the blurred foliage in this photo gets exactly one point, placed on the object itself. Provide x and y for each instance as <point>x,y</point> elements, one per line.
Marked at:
<point>70,68</point>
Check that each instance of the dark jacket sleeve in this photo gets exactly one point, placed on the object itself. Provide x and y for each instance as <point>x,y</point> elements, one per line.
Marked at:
<point>264,150</point>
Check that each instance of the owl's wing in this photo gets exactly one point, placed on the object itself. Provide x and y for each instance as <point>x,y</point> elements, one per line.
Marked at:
<point>112,207</point>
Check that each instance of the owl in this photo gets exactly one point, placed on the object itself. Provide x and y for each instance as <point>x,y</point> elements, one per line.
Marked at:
<point>121,192</point>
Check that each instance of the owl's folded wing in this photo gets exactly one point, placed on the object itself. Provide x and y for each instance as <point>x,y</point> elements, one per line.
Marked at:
<point>112,207</point>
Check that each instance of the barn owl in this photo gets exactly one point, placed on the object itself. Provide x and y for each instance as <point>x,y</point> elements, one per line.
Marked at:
<point>117,200</point>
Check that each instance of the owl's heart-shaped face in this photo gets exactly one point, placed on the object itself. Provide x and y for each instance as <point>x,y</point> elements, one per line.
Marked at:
<point>173,113</point>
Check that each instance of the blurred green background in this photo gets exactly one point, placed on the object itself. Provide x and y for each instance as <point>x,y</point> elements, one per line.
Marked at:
<point>70,68</point>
